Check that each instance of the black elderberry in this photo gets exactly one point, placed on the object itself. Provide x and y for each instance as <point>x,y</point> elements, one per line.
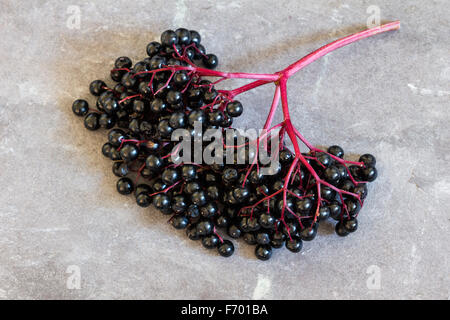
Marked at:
<point>277,240</point>
<point>241,193</point>
<point>139,106</point>
<point>211,241</point>
<point>343,173</point>
<point>120,169</point>
<point>288,206</point>
<point>140,69</point>
<point>351,225</point>
<point>193,211</point>
<point>222,221</point>
<point>294,244</point>
<point>102,98</point>
<point>215,117</point>
<point>106,149</point>
<point>142,188</point>
<point>158,185</point>
<point>263,252</point>
<point>143,200</point>
<point>158,106</point>
<point>324,213</point>
<point>262,237</point>
<point>327,193</point>
<point>169,38</point>
<point>368,160</point>
<point>119,88</point>
<point>192,187</point>
<point>251,225</point>
<point>170,176</point>
<point>162,201</point>
<point>196,116</point>
<point>195,37</point>
<point>134,126</point>
<point>146,91</point>
<point>97,87</point>
<point>340,230</point>
<point>181,78</point>
<point>146,173</point>
<point>289,228</point>
<point>332,175</point>
<point>115,137</point>
<point>324,159</point>
<point>106,121</point>
<point>286,157</point>
<point>234,232</point>
<point>205,228</point>
<point>177,120</point>
<point>194,94</point>
<point>153,48</point>
<point>184,36</point>
<point>157,62</point>
<point>80,107</point>
<point>277,185</point>
<point>361,190</point>
<point>227,121</point>
<point>125,186</point>
<point>209,210</point>
<point>200,52</point>
<point>174,97</point>
<point>210,61</point>
<point>213,192</point>
<point>153,162</point>
<point>179,204</point>
<point>199,198</point>
<point>129,152</point>
<point>266,221</point>
<point>116,75</point>
<point>209,95</point>
<point>114,154</point>
<point>91,121</point>
<point>335,210</point>
<point>309,233</point>
<point>353,207</point>
<point>249,238</point>
<point>347,185</point>
<point>369,174</point>
<point>336,151</point>
<point>191,232</point>
<point>356,172</point>
<point>230,175</point>
<point>129,80</point>
<point>180,222</point>
<point>164,128</point>
<point>123,62</point>
<point>234,108</point>
<point>226,248</point>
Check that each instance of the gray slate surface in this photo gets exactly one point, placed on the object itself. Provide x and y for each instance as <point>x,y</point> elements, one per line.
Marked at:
<point>387,95</point>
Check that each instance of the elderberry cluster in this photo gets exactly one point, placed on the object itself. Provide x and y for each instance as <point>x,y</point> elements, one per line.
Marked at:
<point>150,100</point>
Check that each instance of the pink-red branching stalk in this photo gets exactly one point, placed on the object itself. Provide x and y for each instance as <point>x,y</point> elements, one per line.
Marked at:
<point>280,79</point>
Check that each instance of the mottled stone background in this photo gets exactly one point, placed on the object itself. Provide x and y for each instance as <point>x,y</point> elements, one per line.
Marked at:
<point>388,95</point>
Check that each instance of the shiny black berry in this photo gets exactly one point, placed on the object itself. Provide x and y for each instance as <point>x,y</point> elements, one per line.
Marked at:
<point>125,186</point>
<point>263,252</point>
<point>91,121</point>
<point>80,107</point>
<point>226,248</point>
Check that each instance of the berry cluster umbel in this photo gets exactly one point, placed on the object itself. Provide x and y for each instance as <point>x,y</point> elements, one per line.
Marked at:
<point>167,91</point>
